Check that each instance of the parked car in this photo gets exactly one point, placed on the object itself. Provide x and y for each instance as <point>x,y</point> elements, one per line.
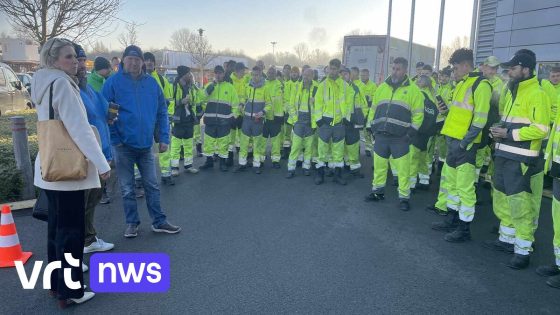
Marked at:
<point>13,95</point>
<point>26,80</point>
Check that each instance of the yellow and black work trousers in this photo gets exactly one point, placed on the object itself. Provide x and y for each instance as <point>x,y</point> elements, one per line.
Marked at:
<point>398,148</point>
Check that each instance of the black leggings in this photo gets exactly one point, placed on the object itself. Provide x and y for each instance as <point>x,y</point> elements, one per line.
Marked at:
<point>66,235</point>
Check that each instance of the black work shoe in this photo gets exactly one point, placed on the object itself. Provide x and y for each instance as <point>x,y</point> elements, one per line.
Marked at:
<point>449,224</point>
<point>338,176</point>
<point>306,172</point>
<point>320,176</point>
<point>290,174</point>
<point>519,262</point>
<point>224,164</point>
<point>374,197</point>
<point>554,282</point>
<point>167,180</point>
<point>499,246</point>
<point>436,210</point>
<point>229,161</point>
<point>548,271</point>
<point>461,234</point>
<point>404,205</point>
<point>258,170</point>
<point>208,164</point>
<point>276,165</point>
<point>241,168</point>
<point>396,181</point>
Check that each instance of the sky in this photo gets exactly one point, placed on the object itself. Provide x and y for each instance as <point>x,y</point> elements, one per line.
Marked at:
<point>250,26</point>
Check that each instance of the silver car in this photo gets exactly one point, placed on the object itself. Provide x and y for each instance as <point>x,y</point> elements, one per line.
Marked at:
<point>13,95</point>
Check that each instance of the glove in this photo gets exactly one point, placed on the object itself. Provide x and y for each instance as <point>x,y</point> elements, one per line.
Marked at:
<point>210,88</point>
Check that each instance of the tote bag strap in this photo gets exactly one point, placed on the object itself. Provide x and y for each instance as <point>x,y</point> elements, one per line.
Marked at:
<point>51,109</point>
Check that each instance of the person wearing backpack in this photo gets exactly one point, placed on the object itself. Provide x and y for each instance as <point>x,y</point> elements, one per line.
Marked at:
<point>466,117</point>
<point>419,143</point>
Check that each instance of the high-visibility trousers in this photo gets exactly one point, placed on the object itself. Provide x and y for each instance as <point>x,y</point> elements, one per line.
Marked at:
<point>175,151</point>
<point>441,147</point>
<point>252,130</point>
<point>385,147</point>
<point>273,129</point>
<point>367,138</point>
<point>165,162</point>
<point>303,138</point>
<point>514,204</point>
<point>419,171</point>
<point>331,146</point>
<point>287,133</point>
<point>458,178</point>
<point>483,157</point>
<point>556,219</point>
<point>197,134</point>
<point>352,147</point>
<point>216,140</point>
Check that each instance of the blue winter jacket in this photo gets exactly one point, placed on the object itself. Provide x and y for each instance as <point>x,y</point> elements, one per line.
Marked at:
<point>142,108</point>
<point>97,108</point>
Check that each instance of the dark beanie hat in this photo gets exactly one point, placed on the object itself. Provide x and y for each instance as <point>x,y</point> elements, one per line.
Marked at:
<point>134,51</point>
<point>101,63</point>
<point>149,56</point>
<point>80,52</point>
<point>182,70</point>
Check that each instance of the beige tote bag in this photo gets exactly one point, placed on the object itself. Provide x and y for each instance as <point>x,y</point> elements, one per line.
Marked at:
<point>61,159</point>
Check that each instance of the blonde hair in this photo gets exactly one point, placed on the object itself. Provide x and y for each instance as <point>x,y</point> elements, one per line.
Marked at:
<point>51,51</point>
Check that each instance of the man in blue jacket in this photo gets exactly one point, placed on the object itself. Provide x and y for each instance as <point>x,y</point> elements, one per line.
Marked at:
<point>142,107</point>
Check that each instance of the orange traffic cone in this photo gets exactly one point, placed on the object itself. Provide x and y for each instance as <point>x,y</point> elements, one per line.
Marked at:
<point>10,249</point>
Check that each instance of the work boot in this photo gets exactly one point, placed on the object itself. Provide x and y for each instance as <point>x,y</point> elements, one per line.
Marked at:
<point>229,161</point>
<point>338,176</point>
<point>404,205</point>
<point>449,223</point>
<point>209,164</point>
<point>356,173</point>
<point>199,149</point>
<point>290,174</point>
<point>519,262</point>
<point>396,181</point>
<point>306,172</point>
<point>374,197</point>
<point>554,282</point>
<point>224,164</point>
<point>548,271</point>
<point>276,165</point>
<point>241,168</point>
<point>499,246</point>
<point>436,210</point>
<point>167,180</point>
<point>330,172</point>
<point>461,234</point>
<point>320,176</point>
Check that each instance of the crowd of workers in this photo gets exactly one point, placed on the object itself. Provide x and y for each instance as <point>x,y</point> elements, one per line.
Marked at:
<point>464,121</point>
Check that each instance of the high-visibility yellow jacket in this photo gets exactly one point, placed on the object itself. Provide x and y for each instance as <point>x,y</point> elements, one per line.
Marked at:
<point>466,109</point>
<point>276,100</point>
<point>221,104</point>
<point>396,109</point>
<point>552,152</point>
<point>367,89</point>
<point>552,92</point>
<point>358,107</point>
<point>240,84</point>
<point>526,116</point>
<point>166,88</point>
<point>257,99</point>
<point>289,87</point>
<point>332,101</point>
<point>302,104</point>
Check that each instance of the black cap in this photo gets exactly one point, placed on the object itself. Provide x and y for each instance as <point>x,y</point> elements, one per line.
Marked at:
<point>133,51</point>
<point>524,60</point>
<point>80,52</point>
<point>344,69</point>
<point>240,66</point>
<point>101,63</point>
<point>419,64</point>
<point>218,69</point>
<point>182,70</point>
<point>149,56</point>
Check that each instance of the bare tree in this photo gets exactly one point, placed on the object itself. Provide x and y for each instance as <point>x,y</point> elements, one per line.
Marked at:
<point>41,20</point>
<point>98,48</point>
<point>447,50</point>
<point>180,39</point>
<point>130,36</point>
<point>302,52</point>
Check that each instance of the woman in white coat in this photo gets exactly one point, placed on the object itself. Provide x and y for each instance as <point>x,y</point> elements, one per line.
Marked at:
<point>66,198</point>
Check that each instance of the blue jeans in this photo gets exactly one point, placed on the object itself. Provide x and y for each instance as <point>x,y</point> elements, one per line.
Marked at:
<point>125,159</point>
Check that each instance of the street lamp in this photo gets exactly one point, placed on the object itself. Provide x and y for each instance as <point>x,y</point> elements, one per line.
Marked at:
<point>273,55</point>
<point>200,32</point>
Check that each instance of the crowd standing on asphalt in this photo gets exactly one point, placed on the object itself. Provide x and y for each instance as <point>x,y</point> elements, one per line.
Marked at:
<point>463,124</point>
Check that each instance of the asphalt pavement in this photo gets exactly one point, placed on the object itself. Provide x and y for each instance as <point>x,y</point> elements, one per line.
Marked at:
<point>265,244</point>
